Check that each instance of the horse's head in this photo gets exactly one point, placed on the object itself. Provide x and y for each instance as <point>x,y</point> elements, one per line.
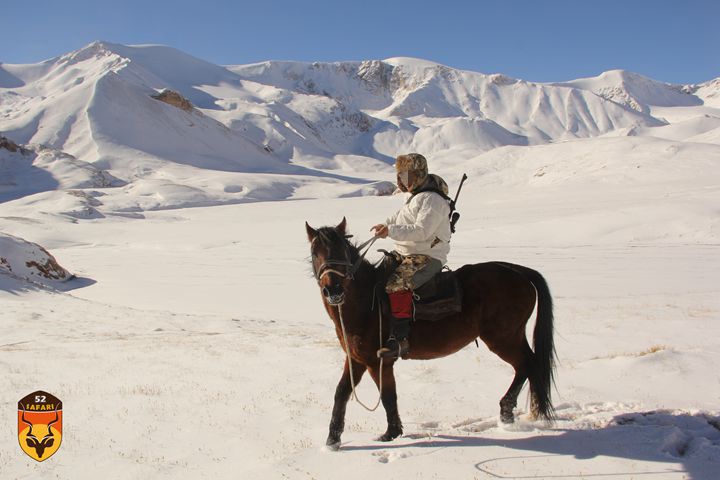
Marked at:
<point>331,260</point>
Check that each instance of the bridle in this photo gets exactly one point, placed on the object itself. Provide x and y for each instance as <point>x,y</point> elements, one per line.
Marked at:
<point>350,267</point>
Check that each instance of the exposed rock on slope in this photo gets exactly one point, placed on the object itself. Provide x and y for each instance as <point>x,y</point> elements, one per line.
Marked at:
<point>9,145</point>
<point>29,261</point>
<point>171,97</point>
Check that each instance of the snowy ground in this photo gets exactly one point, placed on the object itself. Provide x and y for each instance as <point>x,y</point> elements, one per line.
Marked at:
<point>197,347</point>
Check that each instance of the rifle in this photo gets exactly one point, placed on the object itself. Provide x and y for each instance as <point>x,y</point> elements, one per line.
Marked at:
<point>455,216</point>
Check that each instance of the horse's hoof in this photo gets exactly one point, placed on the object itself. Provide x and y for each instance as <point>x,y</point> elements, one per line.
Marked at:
<point>388,436</point>
<point>507,419</point>
<point>332,446</point>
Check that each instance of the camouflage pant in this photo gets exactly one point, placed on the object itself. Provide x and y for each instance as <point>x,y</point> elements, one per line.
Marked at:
<point>412,272</point>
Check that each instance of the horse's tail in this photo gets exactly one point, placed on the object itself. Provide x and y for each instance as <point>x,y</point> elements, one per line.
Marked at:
<point>542,370</point>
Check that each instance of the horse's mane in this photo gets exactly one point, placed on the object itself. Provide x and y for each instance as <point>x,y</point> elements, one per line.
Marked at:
<point>329,237</point>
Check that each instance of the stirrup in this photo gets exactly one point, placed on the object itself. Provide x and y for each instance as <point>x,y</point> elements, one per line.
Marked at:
<point>394,348</point>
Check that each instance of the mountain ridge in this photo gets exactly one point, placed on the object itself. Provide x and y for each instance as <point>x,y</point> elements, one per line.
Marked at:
<point>311,122</point>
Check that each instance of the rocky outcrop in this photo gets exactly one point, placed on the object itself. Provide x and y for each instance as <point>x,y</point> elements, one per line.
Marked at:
<point>376,76</point>
<point>8,144</point>
<point>30,261</point>
<point>171,97</point>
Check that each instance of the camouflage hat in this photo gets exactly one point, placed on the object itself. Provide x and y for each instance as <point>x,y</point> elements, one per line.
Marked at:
<point>412,171</point>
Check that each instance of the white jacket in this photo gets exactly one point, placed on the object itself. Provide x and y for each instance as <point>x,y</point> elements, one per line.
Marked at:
<point>424,218</point>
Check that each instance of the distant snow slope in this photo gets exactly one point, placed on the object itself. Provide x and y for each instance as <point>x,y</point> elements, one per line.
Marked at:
<point>636,91</point>
<point>709,92</point>
<point>38,168</point>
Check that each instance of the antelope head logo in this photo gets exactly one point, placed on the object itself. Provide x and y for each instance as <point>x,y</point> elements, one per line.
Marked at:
<point>39,444</point>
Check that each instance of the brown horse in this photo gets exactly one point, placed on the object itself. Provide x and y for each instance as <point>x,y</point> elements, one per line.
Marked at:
<point>498,300</point>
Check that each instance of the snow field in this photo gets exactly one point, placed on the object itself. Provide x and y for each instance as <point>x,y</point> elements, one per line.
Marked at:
<point>203,351</point>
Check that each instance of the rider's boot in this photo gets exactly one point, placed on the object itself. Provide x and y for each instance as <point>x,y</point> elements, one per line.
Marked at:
<point>401,307</point>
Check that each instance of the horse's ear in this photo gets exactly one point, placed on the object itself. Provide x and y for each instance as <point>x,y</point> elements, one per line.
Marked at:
<point>342,227</point>
<point>311,232</point>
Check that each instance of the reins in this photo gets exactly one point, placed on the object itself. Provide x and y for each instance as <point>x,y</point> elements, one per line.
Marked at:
<point>350,274</point>
<point>350,367</point>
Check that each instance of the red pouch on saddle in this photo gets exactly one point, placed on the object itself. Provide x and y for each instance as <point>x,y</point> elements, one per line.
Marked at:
<point>401,304</point>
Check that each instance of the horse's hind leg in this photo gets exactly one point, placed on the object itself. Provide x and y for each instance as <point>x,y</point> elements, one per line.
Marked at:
<point>520,359</point>
<point>509,400</point>
<point>342,395</point>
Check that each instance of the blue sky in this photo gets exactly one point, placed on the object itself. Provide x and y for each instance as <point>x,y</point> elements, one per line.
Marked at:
<point>538,40</point>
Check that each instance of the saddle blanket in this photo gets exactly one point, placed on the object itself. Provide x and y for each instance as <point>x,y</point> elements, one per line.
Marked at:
<point>438,298</point>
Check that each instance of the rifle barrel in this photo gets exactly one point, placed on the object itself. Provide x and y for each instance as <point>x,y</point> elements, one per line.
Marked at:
<point>457,194</point>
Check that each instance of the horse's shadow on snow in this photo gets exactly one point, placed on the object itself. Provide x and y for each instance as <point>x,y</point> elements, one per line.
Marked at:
<point>670,443</point>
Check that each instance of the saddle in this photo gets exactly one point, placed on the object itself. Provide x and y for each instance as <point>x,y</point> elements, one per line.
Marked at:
<point>436,299</point>
<point>439,297</point>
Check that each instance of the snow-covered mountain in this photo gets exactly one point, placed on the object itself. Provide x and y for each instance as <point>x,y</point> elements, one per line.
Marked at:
<point>277,130</point>
<point>709,92</point>
<point>418,105</point>
<point>636,91</point>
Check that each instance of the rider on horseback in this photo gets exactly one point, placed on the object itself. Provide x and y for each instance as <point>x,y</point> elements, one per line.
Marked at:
<point>421,230</point>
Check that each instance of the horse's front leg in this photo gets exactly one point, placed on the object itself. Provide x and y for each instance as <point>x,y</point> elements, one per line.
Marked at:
<point>389,399</point>
<point>342,395</point>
